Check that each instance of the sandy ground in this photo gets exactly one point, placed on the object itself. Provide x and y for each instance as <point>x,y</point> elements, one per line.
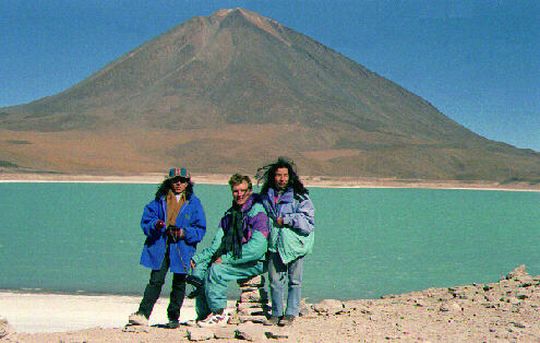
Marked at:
<point>310,181</point>
<point>31,312</point>
<point>503,311</point>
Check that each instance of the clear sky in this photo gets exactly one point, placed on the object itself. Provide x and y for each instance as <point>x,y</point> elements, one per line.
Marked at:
<point>478,62</point>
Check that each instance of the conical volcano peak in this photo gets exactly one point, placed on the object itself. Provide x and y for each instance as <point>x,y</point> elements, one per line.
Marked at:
<point>263,23</point>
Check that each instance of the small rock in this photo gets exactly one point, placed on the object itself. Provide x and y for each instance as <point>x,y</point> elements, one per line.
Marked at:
<point>244,306</point>
<point>305,309</point>
<point>518,325</point>
<point>200,334</point>
<point>5,328</point>
<point>253,319</point>
<point>329,307</point>
<point>250,332</point>
<point>517,272</point>
<point>259,296</point>
<point>225,333</point>
<point>256,281</point>
<point>450,307</point>
<point>277,333</point>
<point>253,311</point>
<point>136,328</point>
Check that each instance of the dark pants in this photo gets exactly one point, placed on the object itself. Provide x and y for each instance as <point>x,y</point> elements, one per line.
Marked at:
<point>153,289</point>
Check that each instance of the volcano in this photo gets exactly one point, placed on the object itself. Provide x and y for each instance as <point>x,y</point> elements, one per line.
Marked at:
<point>232,91</point>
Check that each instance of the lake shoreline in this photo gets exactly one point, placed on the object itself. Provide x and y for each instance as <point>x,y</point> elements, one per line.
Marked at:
<point>310,181</point>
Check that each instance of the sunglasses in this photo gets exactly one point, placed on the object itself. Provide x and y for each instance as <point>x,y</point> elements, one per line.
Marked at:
<point>180,180</point>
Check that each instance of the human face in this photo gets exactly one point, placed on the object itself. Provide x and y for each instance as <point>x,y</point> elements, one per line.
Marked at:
<point>241,193</point>
<point>179,185</point>
<point>282,178</point>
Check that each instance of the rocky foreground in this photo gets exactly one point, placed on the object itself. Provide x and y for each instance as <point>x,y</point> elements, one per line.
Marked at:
<point>508,310</point>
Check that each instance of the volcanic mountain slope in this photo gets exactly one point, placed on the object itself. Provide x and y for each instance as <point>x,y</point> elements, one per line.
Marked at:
<point>232,91</point>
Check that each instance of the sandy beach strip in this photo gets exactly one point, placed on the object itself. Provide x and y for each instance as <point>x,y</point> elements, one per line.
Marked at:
<point>40,312</point>
<point>310,181</point>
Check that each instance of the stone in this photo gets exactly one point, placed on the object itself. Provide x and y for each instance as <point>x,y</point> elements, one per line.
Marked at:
<point>517,272</point>
<point>254,319</point>
<point>136,328</point>
<point>252,311</point>
<point>5,328</point>
<point>450,307</point>
<point>258,296</point>
<point>256,281</point>
<point>518,325</point>
<point>277,333</point>
<point>225,333</point>
<point>305,309</point>
<point>250,332</point>
<point>328,307</point>
<point>200,334</point>
<point>244,306</point>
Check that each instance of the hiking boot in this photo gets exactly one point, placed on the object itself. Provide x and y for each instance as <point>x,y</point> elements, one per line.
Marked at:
<point>172,324</point>
<point>138,319</point>
<point>272,321</point>
<point>214,320</point>
<point>194,281</point>
<point>286,321</point>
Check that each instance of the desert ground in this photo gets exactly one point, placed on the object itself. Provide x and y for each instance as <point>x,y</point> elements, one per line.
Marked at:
<point>504,311</point>
<point>310,181</point>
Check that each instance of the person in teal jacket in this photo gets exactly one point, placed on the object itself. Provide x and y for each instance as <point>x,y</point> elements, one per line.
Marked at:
<point>173,223</point>
<point>291,211</point>
<point>237,252</point>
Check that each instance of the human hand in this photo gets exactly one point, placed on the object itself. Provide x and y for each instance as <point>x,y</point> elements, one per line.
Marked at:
<point>192,264</point>
<point>218,260</point>
<point>175,232</point>
<point>159,224</point>
<point>279,221</point>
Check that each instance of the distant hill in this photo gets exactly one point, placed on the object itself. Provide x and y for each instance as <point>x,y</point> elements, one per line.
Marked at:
<point>232,91</point>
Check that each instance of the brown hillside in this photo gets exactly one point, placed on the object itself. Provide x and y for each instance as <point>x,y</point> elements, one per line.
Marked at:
<point>236,89</point>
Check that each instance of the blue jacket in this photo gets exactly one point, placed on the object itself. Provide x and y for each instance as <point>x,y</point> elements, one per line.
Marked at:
<point>296,237</point>
<point>190,218</point>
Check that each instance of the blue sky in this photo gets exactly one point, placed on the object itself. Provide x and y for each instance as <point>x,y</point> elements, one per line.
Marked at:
<point>478,62</point>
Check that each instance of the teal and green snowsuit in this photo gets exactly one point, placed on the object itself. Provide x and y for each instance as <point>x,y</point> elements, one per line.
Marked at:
<point>217,276</point>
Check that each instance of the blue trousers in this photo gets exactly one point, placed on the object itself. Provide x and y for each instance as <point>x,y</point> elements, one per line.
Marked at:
<point>280,275</point>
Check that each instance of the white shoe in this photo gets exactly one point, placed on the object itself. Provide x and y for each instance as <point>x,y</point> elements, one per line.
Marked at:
<point>220,320</point>
<point>138,319</point>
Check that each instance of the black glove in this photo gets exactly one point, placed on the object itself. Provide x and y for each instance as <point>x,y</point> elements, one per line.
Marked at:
<point>175,232</point>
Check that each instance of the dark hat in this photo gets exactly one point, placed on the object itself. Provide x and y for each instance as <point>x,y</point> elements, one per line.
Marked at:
<point>178,172</point>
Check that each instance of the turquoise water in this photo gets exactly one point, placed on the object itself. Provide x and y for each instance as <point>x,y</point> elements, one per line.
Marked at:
<point>66,237</point>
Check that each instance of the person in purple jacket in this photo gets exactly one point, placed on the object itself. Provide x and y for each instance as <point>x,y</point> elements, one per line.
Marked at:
<point>292,235</point>
<point>237,252</point>
<point>173,223</point>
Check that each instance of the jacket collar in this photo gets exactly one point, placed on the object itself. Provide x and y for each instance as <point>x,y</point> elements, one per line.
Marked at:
<point>286,196</point>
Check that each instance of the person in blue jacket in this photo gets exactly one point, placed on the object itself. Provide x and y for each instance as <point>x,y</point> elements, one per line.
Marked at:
<point>291,211</point>
<point>173,223</point>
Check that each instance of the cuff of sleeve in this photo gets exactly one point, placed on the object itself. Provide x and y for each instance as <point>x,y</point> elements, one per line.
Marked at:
<point>196,259</point>
<point>226,259</point>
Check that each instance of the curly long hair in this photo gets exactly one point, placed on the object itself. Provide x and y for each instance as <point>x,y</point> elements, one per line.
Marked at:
<point>164,187</point>
<point>267,175</point>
